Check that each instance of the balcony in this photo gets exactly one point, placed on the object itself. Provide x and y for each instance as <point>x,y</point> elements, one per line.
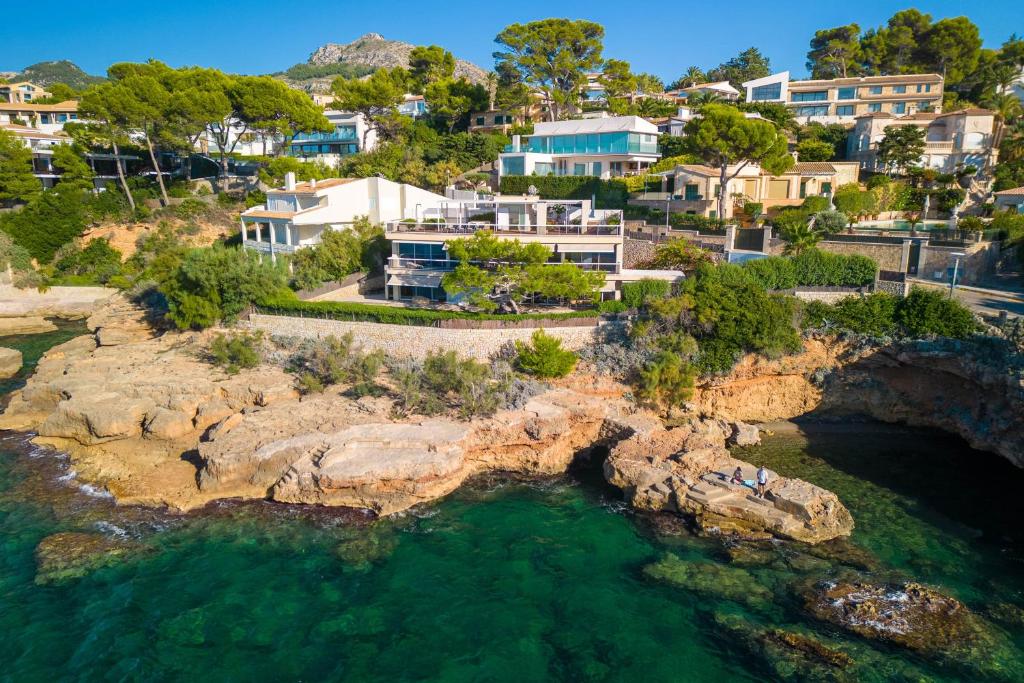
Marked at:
<point>938,146</point>
<point>399,263</point>
<point>470,228</point>
<point>267,248</point>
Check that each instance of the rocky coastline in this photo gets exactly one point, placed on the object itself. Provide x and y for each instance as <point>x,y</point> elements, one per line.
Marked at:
<point>146,417</point>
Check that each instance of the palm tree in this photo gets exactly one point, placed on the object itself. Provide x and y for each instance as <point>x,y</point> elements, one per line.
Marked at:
<point>799,238</point>
<point>699,99</point>
<point>693,76</point>
<point>1012,147</point>
<point>1007,107</point>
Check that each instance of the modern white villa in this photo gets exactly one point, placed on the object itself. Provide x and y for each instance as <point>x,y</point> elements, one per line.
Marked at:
<point>573,230</point>
<point>299,213</point>
<point>351,135</point>
<point>419,225</point>
<point>841,100</point>
<point>606,147</point>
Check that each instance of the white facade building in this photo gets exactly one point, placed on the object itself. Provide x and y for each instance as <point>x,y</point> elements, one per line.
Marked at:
<point>605,147</point>
<point>299,213</point>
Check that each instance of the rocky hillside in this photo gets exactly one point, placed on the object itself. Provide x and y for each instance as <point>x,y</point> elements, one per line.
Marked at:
<point>374,50</point>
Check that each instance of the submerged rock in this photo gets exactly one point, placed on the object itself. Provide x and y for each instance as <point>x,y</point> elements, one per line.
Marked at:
<point>916,617</point>
<point>73,554</point>
<point>712,580</point>
<point>361,551</point>
<point>787,655</point>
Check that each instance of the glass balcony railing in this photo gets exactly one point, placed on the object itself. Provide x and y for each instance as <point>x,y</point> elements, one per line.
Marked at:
<point>467,229</point>
<point>337,135</point>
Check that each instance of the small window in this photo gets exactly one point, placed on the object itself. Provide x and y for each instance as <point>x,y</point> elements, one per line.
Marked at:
<point>899,107</point>
<point>62,117</point>
<point>875,90</point>
<point>480,120</point>
<point>847,94</point>
<point>899,89</point>
<point>875,107</point>
<point>844,110</point>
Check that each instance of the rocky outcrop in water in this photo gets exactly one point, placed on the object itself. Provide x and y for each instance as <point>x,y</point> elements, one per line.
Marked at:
<point>689,470</point>
<point>73,554</point>
<point>10,362</point>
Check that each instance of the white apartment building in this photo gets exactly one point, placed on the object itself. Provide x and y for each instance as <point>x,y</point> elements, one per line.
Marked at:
<point>574,231</point>
<point>606,147</point>
<point>960,138</point>
<point>298,214</point>
<point>351,135</point>
<point>841,100</point>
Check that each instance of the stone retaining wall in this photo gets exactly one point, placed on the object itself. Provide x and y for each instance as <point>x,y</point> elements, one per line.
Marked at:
<point>415,341</point>
<point>636,251</point>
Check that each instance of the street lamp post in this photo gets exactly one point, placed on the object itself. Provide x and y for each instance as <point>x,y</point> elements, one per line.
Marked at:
<point>956,269</point>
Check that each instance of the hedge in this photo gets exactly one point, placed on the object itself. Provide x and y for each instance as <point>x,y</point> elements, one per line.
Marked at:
<point>813,268</point>
<point>398,315</point>
<point>610,194</point>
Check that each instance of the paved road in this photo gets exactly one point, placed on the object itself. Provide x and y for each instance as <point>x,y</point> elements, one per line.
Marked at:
<point>987,303</point>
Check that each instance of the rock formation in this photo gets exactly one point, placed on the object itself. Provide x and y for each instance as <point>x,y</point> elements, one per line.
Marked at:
<point>688,470</point>
<point>25,311</point>
<point>930,384</point>
<point>139,411</point>
<point>373,49</point>
<point>10,362</point>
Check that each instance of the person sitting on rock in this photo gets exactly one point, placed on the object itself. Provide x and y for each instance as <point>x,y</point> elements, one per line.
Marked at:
<point>737,476</point>
<point>762,481</point>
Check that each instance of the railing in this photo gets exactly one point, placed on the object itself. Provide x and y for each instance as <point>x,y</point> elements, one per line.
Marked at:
<point>395,262</point>
<point>938,146</point>
<point>265,247</point>
<point>499,230</point>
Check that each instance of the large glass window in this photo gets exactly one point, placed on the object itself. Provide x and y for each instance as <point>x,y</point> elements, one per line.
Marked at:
<point>899,89</point>
<point>815,96</point>
<point>543,168</point>
<point>847,93</point>
<point>513,166</point>
<point>579,169</point>
<point>772,91</point>
<point>899,107</point>
<point>425,254</point>
<point>875,107</point>
<point>844,110</point>
<point>821,110</point>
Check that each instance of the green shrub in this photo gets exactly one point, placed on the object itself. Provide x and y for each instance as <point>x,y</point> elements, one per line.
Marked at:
<point>830,222</point>
<point>812,268</point>
<point>971,224</point>
<point>288,304</point>
<point>446,381</point>
<point>815,204</point>
<point>544,356</point>
<point>636,294</point>
<point>880,180</point>
<point>190,209</point>
<point>98,262</point>
<point>612,306</point>
<point>667,380</point>
<point>52,219</point>
<point>610,194</point>
<point>337,360</point>
<point>874,314</point>
<point>930,312</point>
<point>240,351</point>
<point>218,283</point>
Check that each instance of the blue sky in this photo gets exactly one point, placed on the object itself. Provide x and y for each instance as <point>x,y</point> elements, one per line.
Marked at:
<point>261,36</point>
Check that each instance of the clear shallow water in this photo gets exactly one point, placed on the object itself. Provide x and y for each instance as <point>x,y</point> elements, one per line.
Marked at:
<point>504,580</point>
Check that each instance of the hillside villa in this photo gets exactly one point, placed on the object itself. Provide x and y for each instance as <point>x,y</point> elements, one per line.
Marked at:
<point>841,100</point>
<point>957,139</point>
<point>47,118</point>
<point>22,92</point>
<point>420,223</point>
<point>606,147</point>
<point>721,89</point>
<point>693,188</point>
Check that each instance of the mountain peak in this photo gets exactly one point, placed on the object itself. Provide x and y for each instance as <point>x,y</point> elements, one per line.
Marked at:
<point>375,51</point>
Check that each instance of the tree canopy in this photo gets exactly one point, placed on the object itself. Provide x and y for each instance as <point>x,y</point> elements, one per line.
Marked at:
<point>722,137</point>
<point>552,56</point>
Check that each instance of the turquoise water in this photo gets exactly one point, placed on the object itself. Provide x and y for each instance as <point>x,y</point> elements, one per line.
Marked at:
<point>506,580</point>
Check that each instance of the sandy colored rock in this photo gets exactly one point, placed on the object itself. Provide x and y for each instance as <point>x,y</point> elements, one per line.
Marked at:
<point>10,362</point>
<point>31,324</point>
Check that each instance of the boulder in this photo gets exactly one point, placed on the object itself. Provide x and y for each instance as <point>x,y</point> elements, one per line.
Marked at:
<point>163,423</point>
<point>744,434</point>
<point>10,362</point>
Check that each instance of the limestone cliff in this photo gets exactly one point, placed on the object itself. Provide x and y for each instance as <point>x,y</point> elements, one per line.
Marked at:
<point>945,385</point>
